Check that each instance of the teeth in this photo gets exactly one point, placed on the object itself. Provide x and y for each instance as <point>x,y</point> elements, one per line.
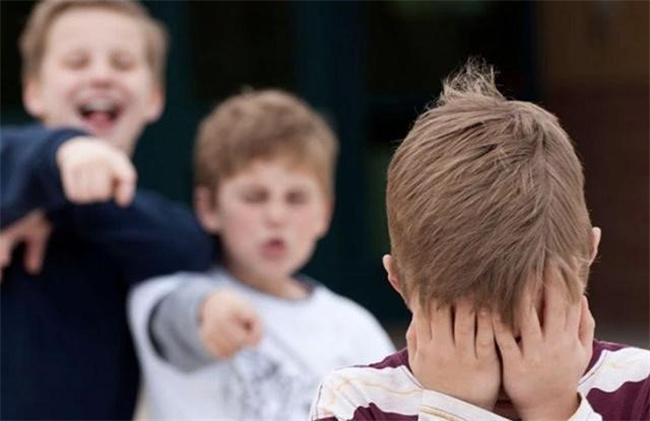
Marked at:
<point>99,105</point>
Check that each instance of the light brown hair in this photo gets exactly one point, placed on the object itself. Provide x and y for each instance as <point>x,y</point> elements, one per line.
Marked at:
<point>263,125</point>
<point>483,194</point>
<point>33,39</point>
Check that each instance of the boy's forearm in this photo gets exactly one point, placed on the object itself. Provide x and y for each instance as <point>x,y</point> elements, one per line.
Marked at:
<point>29,174</point>
<point>174,326</point>
<point>439,406</point>
<point>151,237</point>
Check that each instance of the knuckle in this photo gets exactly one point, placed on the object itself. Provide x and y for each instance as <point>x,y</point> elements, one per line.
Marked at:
<point>591,322</point>
<point>485,345</point>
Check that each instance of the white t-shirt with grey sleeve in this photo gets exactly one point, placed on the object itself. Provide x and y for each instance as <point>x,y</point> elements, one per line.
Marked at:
<point>302,341</point>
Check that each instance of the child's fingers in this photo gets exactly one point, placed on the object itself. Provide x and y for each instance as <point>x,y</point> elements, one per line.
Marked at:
<point>464,326</point>
<point>412,343</point>
<point>77,184</point>
<point>81,185</point>
<point>90,185</point>
<point>422,323</point>
<point>102,186</point>
<point>35,247</point>
<point>485,345</point>
<point>411,339</point>
<point>573,316</point>
<point>253,328</point>
<point>96,185</point>
<point>221,345</point>
<point>530,327</point>
<point>125,181</point>
<point>441,326</point>
<point>6,247</point>
<point>85,184</point>
<point>233,338</point>
<point>505,339</point>
<point>69,182</point>
<point>555,302</point>
<point>587,324</point>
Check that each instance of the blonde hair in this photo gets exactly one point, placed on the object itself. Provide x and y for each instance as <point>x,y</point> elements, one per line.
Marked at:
<point>483,195</point>
<point>33,39</point>
<point>263,125</point>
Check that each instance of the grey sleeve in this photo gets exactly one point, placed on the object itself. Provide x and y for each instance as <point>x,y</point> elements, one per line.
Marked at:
<point>174,326</point>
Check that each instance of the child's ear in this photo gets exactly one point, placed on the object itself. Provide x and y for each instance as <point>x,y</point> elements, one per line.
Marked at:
<point>206,210</point>
<point>596,236</point>
<point>393,279</point>
<point>32,98</point>
<point>156,104</point>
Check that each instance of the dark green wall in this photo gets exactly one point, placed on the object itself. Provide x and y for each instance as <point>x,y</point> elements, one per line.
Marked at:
<point>369,67</point>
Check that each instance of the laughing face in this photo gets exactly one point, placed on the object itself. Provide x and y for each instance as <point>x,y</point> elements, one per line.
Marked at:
<point>269,216</point>
<point>95,76</point>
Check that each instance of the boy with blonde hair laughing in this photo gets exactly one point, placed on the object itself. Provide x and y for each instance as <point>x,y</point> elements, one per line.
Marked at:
<point>93,77</point>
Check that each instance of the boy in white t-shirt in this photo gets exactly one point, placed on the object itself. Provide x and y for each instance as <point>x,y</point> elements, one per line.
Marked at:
<point>251,339</point>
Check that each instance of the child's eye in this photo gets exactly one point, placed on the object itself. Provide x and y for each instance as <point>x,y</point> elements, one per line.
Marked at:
<point>123,61</point>
<point>297,197</point>
<point>76,61</point>
<point>254,197</point>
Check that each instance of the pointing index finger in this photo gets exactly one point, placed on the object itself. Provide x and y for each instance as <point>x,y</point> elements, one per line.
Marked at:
<point>125,181</point>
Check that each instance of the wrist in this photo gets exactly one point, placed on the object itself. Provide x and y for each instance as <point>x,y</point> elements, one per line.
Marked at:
<point>64,149</point>
<point>203,306</point>
<point>557,409</point>
<point>463,395</point>
<point>441,402</point>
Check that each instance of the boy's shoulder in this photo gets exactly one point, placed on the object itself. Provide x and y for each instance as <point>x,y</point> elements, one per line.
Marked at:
<point>340,307</point>
<point>629,363</point>
<point>616,384</point>
<point>617,381</point>
<point>183,276</point>
<point>154,288</point>
<point>388,369</point>
<point>385,390</point>
<point>38,130</point>
<point>320,292</point>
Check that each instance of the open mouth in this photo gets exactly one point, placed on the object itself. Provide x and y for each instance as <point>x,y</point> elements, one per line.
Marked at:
<point>274,248</point>
<point>99,114</point>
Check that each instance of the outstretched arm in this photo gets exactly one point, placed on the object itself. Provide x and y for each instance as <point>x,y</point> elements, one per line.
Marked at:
<point>197,324</point>
<point>29,175</point>
<point>43,169</point>
<point>151,237</point>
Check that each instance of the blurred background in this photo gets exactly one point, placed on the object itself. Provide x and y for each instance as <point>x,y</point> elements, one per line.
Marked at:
<point>371,68</point>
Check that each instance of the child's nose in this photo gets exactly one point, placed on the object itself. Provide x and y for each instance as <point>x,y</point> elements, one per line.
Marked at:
<point>276,212</point>
<point>101,72</point>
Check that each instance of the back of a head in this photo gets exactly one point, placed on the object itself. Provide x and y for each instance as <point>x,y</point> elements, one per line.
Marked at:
<point>265,124</point>
<point>482,195</point>
<point>33,39</point>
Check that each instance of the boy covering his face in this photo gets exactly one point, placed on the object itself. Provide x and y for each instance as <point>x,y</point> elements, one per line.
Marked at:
<point>491,245</point>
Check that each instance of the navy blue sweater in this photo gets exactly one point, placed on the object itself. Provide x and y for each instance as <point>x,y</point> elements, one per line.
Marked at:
<point>66,352</point>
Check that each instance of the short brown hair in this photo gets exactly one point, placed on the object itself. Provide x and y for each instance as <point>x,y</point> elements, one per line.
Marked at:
<point>483,194</point>
<point>263,125</point>
<point>33,39</point>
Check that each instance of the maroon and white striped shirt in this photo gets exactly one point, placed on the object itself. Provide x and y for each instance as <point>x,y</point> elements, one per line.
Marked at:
<point>615,386</point>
